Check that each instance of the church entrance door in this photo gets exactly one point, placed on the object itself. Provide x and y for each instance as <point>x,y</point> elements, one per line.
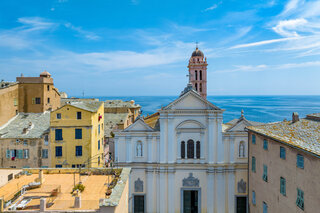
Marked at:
<point>190,201</point>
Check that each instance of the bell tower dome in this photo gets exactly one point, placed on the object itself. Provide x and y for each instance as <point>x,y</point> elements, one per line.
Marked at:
<point>198,72</point>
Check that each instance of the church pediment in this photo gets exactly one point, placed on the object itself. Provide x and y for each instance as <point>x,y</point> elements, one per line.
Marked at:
<point>139,126</point>
<point>191,101</point>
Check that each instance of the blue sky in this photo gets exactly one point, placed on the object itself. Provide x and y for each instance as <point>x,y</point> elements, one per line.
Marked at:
<point>142,47</point>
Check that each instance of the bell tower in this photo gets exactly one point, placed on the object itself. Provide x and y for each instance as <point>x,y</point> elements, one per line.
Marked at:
<point>198,72</point>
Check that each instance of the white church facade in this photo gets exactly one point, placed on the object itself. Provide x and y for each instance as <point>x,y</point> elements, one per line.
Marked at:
<point>183,158</point>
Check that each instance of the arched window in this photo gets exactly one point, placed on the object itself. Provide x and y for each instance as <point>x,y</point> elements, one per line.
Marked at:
<point>200,87</point>
<point>200,75</point>
<point>241,150</point>
<point>196,86</point>
<point>183,149</point>
<point>196,74</point>
<point>198,149</point>
<point>139,149</point>
<point>190,149</point>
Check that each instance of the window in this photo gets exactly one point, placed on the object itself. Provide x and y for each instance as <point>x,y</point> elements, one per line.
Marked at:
<point>78,133</point>
<point>46,140</point>
<point>265,144</point>
<point>48,100</point>
<point>241,149</point>
<point>196,86</point>
<point>8,153</point>
<point>26,153</point>
<point>99,160</point>
<point>99,129</point>
<point>200,75</point>
<point>13,153</point>
<point>200,87</point>
<point>198,149</point>
<point>300,161</point>
<point>253,138</point>
<point>253,197</point>
<point>98,144</point>
<point>25,143</point>
<point>300,200</point>
<point>58,115</point>
<point>38,100</point>
<point>58,134</point>
<point>58,151</point>
<point>190,149</point>
<point>283,186</point>
<point>15,102</point>
<point>78,115</point>
<point>44,153</point>
<point>196,73</point>
<point>253,164</point>
<point>139,149</point>
<point>265,173</point>
<point>20,154</point>
<point>183,149</point>
<point>58,166</point>
<point>282,152</point>
<point>265,208</point>
<point>78,150</point>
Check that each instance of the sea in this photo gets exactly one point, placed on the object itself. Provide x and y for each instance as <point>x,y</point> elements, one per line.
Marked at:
<point>256,108</point>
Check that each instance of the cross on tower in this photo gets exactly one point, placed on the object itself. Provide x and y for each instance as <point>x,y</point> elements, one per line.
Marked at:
<point>196,44</point>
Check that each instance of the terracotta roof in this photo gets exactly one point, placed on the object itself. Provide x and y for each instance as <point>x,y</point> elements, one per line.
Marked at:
<point>153,121</point>
<point>303,134</point>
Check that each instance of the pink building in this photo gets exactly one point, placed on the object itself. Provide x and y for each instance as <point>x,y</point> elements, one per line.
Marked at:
<point>198,72</point>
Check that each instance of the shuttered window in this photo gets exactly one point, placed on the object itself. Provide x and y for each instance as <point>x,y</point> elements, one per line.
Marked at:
<point>300,199</point>
<point>253,197</point>
<point>265,173</point>
<point>78,133</point>
<point>198,149</point>
<point>253,139</point>
<point>282,152</point>
<point>190,149</point>
<point>253,164</point>
<point>183,149</point>
<point>58,134</point>
<point>300,161</point>
<point>282,185</point>
<point>265,144</point>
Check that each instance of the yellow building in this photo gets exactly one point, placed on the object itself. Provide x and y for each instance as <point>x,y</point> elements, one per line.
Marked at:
<point>76,131</point>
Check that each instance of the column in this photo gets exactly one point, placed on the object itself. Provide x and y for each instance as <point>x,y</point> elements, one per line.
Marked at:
<point>178,142</point>
<point>220,192</point>
<point>163,190</point>
<point>210,148</point>
<point>202,144</point>
<point>116,155</point>
<point>210,190</point>
<point>149,148</point>
<point>220,145</point>
<point>129,149</point>
<point>171,190</point>
<point>150,190</point>
<point>163,139</point>
<point>158,190</point>
<point>232,140</point>
<point>231,188</point>
<point>171,142</point>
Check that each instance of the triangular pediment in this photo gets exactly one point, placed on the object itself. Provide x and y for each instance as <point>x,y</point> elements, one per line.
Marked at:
<point>191,100</point>
<point>139,126</point>
<point>240,125</point>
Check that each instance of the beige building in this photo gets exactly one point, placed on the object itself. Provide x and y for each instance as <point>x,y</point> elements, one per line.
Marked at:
<point>9,101</point>
<point>37,94</point>
<point>284,166</point>
<point>24,141</point>
<point>28,95</point>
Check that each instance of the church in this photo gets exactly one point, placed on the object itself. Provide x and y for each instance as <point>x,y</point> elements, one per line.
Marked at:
<point>184,158</point>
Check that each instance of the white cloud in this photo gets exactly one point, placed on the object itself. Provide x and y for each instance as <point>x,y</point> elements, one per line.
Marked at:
<point>86,34</point>
<point>210,8</point>
<point>259,43</point>
<point>288,28</point>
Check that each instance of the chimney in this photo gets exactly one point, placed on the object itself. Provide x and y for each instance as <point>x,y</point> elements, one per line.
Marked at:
<point>41,176</point>
<point>295,117</point>
<point>42,204</point>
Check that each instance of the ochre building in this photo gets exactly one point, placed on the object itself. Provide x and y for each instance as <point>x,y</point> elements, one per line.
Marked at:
<point>76,131</point>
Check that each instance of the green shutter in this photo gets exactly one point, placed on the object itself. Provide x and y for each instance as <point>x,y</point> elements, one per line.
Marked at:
<point>20,154</point>
<point>8,153</point>
<point>253,166</point>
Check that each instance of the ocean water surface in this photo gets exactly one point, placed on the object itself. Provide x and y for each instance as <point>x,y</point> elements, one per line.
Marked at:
<point>256,108</point>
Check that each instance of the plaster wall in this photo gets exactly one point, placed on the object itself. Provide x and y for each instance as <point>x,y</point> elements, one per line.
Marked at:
<point>269,192</point>
<point>8,103</point>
